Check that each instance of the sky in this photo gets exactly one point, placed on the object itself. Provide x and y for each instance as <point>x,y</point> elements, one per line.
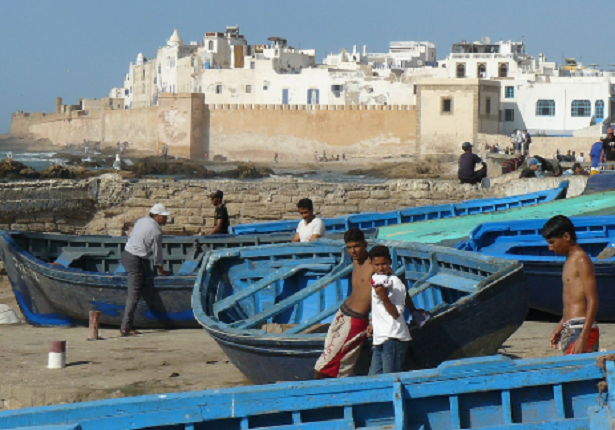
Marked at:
<point>76,49</point>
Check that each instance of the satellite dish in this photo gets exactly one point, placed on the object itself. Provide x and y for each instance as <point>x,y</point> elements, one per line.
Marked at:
<point>419,63</point>
<point>486,40</point>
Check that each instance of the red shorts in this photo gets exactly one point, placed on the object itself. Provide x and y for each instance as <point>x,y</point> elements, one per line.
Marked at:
<point>571,333</point>
<point>342,346</point>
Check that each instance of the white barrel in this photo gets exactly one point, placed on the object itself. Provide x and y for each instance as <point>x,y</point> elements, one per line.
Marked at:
<point>57,354</point>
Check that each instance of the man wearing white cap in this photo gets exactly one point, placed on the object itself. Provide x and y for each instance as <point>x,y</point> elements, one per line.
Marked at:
<point>144,241</point>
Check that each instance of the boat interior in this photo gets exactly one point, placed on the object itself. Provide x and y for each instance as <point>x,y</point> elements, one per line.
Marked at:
<point>295,290</point>
<point>182,254</point>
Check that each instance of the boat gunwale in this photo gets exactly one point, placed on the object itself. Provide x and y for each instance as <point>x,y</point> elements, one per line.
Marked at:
<point>506,268</point>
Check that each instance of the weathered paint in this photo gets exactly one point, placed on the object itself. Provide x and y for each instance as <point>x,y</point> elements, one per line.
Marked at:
<point>410,215</point>
<point>454,230</point>
<point>483,393</point>
<point>522,241</point>
<point>240,291</point>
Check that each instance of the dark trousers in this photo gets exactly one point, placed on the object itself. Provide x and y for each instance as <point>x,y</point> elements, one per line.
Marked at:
<point>135,267</point>
<point>478,176</point>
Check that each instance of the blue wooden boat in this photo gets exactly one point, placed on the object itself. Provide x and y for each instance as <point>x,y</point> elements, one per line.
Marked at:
<point>600,183</point>
<point>57,279</point>
<point>424,213</point>
<point>522,241</point>
<point>493,393</point>
<point>269,307</point>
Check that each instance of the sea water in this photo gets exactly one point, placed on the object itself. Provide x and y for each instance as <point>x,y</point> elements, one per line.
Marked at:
<point>37,160</point>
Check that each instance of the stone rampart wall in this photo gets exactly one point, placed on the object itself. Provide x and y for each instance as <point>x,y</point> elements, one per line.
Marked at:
<point>111,205</point>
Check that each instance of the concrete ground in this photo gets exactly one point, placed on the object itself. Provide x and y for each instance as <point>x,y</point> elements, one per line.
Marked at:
<point>159,361</point>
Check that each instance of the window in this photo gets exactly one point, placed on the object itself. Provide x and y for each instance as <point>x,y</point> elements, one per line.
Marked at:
<point>461,70</point>
<point>509,115</point>
<point>481,71</point>
<point>447,105</point>
<point>599,109</point>
<point>126,92</point>
<point>545,108</point>
<point>503,70</point>
<point>336,88</point>
<point>581,108</point>
<point>509,92</point>
<point>414,89</point>
<point>210,45</point>
<point>488,106</point>
<point>252,65</point>
<point>218,89</point>
<point>248,89</point>
<point>265,87</point>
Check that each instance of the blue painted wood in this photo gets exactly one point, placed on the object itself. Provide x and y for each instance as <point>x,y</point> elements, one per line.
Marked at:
<point>522,241</point>
<point>237,311</point>
<point>600,183</point>
<point>521,395</point>
<point>372,220</point>
<point>58,279</point>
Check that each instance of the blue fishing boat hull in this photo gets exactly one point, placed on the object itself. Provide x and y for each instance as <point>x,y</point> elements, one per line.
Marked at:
<point>469,325</point>
<point>522,241</point>
<point>369,220</point>
<point>491,393</point>
<point>53,290</point>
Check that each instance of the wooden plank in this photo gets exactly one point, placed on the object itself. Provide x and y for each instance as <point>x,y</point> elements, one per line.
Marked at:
<point>278,275</point>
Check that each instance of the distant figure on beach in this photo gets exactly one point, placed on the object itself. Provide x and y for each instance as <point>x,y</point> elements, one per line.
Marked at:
<point>343,158</point>
<point>117,164</point>
<point>608,148</point>
<point>144,241</point>
<point>526,143</point>
<point>595,154</point>
<point>577,332</point>
<point>310,228</point>
<point>517,138</point>
<point>221,219</point>
<point>276,157</point>
<point>349,327</point>
<point>315,155</point>
<point>580,158</point>
<point>165,151</point>
<point>467,165</point>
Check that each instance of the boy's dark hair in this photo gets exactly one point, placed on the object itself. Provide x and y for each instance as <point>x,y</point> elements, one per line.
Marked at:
<point>380,251</point>
<point>305,204</point>
<point>557,226</point>
<point>354,235</point>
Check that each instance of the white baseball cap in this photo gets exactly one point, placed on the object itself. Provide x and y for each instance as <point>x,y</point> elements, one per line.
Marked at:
<point>159,209</point>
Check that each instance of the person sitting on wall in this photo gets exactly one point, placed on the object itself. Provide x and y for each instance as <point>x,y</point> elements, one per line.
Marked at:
<point>534,169</point>
<point>310,228</point>
<point>577,170</point>
<point>467,172</point>
<point>608,148</point>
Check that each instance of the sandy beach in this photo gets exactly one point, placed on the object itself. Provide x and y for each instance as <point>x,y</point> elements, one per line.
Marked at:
<point>159,361</point>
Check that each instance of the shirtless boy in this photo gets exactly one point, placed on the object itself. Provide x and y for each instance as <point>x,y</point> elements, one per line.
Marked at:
<point>577,332</point>
<point>349,327</point>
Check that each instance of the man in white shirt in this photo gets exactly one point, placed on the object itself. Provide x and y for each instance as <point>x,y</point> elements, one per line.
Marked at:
<point>310,228</point>
<point>144,241</point>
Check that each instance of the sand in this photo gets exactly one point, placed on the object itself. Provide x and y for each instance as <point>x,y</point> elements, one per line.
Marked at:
<point>159,361</point>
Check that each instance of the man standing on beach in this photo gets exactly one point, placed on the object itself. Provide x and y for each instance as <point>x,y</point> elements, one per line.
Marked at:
<point>349,327</point>
<point>221,219</point>
<point>310,228</point>
<point>577,332</point>
<point>144,241</point>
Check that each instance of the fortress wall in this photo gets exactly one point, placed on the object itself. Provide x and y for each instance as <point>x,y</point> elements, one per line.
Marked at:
<point>111,205</point>
<point>139,127</point>
<point>296,132</point>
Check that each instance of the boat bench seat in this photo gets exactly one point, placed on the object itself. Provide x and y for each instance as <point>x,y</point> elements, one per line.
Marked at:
<point>70,254</point>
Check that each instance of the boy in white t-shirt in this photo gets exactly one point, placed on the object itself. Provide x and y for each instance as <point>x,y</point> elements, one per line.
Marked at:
<point>310,228</point>
<point>390,331</point>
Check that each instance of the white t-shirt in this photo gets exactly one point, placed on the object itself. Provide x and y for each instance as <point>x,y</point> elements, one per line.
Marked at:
<point>384,325</point>
<point>580,159</point>
<point>306,231</point>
